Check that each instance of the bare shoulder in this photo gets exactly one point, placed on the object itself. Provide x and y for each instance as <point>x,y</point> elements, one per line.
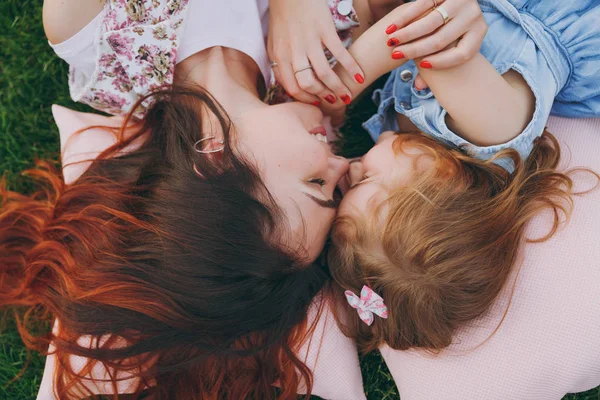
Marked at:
<point>64,18</point>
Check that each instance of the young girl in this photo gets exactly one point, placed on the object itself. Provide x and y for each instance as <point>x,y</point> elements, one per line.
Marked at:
<point>426,238</point>
<point>180,261</point>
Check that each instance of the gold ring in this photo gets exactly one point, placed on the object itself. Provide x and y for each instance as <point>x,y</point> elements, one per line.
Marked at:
<point>443,13</point>
<point>303,69</point>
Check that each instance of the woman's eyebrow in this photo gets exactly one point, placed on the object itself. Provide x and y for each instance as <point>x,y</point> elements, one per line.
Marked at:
<point>323,203</point>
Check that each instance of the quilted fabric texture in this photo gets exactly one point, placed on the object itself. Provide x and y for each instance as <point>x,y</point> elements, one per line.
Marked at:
<point>549,343</point>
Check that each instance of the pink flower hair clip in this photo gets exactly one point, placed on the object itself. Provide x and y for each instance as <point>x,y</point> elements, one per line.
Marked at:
<point>367,304</point>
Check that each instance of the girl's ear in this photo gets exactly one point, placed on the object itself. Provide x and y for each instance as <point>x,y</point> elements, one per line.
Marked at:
<point>447,169</point>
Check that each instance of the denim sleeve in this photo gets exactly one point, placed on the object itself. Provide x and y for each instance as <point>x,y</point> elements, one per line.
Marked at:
<point>523,56</point>
<point>507,46</point>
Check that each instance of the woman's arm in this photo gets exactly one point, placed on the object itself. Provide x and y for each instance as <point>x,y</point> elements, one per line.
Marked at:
<point>64,18</point>
<point>483,107</point>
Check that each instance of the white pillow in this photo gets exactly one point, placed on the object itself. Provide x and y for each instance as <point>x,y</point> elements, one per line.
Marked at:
<point>329,354</point>
<point>549,342</point>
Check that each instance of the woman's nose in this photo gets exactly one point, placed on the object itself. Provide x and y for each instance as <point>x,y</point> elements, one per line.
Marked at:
<point>339,165</point>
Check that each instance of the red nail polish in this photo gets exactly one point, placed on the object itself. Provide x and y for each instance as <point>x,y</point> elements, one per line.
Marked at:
<point>393,42</point>
<point>396,55</point>
<point>425,64</point>
<point>346,99</point>
<point>330,99</point>
<point>316,103</point>
<point>391,29</point>
<point>359,78</point>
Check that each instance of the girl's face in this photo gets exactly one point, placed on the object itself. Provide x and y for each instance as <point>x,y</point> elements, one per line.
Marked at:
<point>381,170</point>
<point>286,142</point>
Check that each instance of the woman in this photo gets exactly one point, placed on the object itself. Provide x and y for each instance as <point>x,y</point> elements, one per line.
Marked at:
<point>184,256</point>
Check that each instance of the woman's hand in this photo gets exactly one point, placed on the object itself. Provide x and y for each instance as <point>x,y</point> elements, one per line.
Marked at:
<point>298,32</point>
<point>419,31</point>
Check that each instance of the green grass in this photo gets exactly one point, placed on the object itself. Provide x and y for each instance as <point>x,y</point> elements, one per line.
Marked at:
<point>31,79</point>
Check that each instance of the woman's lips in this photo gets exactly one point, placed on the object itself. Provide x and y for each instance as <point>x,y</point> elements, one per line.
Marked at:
<point>320,133</point>
<point>319,130</point>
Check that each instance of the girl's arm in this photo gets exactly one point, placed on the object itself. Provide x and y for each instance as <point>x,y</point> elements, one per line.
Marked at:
<point>483,107</point>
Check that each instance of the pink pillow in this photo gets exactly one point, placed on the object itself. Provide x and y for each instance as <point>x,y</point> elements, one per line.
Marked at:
<point>77,149</point>
<point>333,359</point>
<point>549,343</point>
<point>329,354</point>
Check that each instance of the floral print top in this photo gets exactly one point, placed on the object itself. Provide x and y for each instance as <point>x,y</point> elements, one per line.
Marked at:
<point>137,54</point>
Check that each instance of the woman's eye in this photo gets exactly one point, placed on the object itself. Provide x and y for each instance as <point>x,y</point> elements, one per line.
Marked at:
<point>318,181</point>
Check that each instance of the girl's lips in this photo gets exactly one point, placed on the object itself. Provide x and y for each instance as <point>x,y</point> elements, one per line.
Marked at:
<point>319,130</point>
<point>343,185</point>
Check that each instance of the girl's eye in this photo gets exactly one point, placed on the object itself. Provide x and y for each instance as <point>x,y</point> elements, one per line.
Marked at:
<point>364,178</point>
<point>318,181</point>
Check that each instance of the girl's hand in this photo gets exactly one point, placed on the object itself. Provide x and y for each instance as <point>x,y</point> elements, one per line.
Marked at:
<point>413,37</point>
<point>298,32</point>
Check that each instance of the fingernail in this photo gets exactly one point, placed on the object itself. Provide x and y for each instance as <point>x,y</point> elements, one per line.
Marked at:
<point>418,88</point>
<point>393,42</point>
<point>396,55</point>
<point>359,78</point>
<point>330,99</point>
<point>425,64</point>
<point>391,29</point>
<point>316,103</point>
<point>346,99</point>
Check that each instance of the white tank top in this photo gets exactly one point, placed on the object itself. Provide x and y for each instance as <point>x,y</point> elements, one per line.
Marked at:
<point>240,25</point>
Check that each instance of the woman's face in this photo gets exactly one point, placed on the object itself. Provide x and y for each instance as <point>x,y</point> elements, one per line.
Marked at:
<point>297,166</point>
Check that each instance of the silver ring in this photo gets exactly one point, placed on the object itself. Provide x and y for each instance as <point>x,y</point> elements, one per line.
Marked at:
<point>274,64</point>
<point>303,69</point>
<point>443,13</point>
<point>198,144</point>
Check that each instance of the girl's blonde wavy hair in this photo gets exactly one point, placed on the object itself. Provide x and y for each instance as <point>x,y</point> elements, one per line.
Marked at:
<point>448,243</point>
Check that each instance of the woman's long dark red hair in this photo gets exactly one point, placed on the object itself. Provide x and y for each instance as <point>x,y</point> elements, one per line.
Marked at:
<point>182,272</point>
